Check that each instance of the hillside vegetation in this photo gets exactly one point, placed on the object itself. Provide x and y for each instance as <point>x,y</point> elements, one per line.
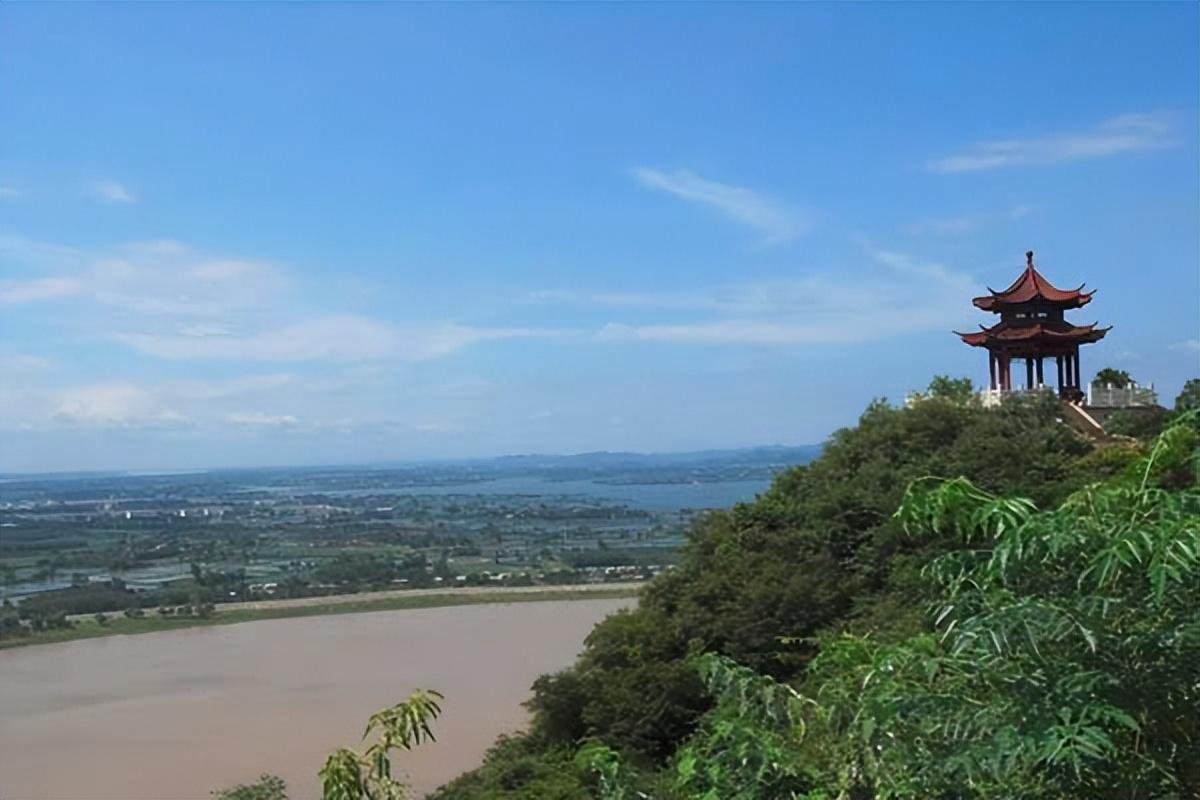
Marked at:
<point>814,643</point>
<point>950,602</point>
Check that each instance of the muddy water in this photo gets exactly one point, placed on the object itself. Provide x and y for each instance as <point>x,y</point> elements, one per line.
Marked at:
<point>174,715</point>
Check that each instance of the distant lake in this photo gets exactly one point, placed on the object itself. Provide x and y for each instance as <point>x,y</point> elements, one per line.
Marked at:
<point>647,496</point>
<point>174,715</point>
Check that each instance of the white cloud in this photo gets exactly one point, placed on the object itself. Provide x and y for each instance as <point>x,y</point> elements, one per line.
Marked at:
<point>738,331</point>
<point>165,299</point>
<point>114,404</point>
<point>1187,346</point>
<point>262,419</point>
<point>345,338</point>
<point>1127,133</point>
<point>113,192</point>
<point>168,247</point>
<point>161,278</point>
<point>38,289</point>
<point>775,220</point>
<point>908,295</point>
<point>796,295</point>
<point>437,427</point>
<point>9,193</point>
<point>188,287</point>
<point>127,404</point>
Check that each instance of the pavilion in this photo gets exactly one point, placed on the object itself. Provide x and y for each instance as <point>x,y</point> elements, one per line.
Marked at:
<point>1032,328</point>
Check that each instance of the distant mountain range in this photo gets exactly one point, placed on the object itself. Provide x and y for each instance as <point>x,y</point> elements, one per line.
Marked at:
<point>604,459</point>
<point>604,466</point>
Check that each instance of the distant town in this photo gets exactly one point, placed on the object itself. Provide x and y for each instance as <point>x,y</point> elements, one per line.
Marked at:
<point>179,545</point>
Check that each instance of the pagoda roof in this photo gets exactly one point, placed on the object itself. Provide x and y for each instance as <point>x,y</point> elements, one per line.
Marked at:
<point>1029,286</point>
<point>1040,333</point>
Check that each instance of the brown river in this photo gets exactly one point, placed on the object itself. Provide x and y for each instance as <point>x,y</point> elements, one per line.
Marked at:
<point>174,715</point>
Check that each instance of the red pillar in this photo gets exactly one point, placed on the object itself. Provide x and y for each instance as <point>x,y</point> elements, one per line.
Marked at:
<point>991,370</point>
<point>1028,373</point>
<point>1059,361</point>
<point>1040,377</point>
<point>1078,383</point>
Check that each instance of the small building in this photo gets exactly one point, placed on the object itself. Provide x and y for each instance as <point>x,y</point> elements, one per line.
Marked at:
<point>1033,328</point>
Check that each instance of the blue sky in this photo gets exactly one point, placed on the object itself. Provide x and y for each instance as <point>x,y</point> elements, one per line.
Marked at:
<point>318,233</point>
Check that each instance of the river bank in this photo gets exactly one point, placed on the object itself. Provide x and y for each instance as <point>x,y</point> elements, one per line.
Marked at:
<point>86,627</point>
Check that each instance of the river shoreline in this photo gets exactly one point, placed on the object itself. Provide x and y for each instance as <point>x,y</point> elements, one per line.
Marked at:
<point>234,613</point>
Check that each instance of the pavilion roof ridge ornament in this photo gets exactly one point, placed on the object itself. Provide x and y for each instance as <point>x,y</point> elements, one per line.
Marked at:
<point>1031,285</point>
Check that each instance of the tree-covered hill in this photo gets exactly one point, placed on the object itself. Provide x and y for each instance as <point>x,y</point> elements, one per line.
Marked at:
<point>819,554</point>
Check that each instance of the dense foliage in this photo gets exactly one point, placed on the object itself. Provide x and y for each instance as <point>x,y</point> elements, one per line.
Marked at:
<point>815,644</point>
<point>1060,658</point>
<point>1117,378</point>
<point>818,556</point>
<point>1189,397</point>
<point>267,787</point>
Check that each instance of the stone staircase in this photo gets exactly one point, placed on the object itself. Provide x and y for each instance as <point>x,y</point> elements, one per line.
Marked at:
<point>1078,418</point>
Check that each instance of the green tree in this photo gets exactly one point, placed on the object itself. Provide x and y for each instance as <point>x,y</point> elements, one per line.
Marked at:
<point>351,775</point>
<point>766,582</point>
<point>957,390</point>
<point>267,787</point>
<point>1189,398</point>
<point>1061,658</point>
<point>1117,378</point>
<point>1141,422</point>
<point>8,576</point>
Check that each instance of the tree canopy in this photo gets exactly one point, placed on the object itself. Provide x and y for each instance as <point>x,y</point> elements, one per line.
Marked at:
<point>1059,657</point>
<point>769,583</point>
<point>1117,378</point>
<point>952,602</point>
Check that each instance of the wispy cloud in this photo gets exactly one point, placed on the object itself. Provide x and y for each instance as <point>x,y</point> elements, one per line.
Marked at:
<point>262,419</point>
<point>166,247</point>
<point>151,282</point>
<point>23,362</point>
<point>1127,133</point>
<point>114,404</point>
<point>113,192</point>
<point>168,300</point>
<point>9,193</point>
<point>892,293</point>
<point>345,338</point>
<point>122,403</point>
<point>775,220</point>
<point>37,289</point>
<point>1187,346</point>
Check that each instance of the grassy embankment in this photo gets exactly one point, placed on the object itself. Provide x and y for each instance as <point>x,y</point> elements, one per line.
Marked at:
<point>119,624</point>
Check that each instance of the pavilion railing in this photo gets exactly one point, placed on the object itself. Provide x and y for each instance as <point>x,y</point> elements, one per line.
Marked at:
<point>990,398</point>
<point>1108,396</point>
